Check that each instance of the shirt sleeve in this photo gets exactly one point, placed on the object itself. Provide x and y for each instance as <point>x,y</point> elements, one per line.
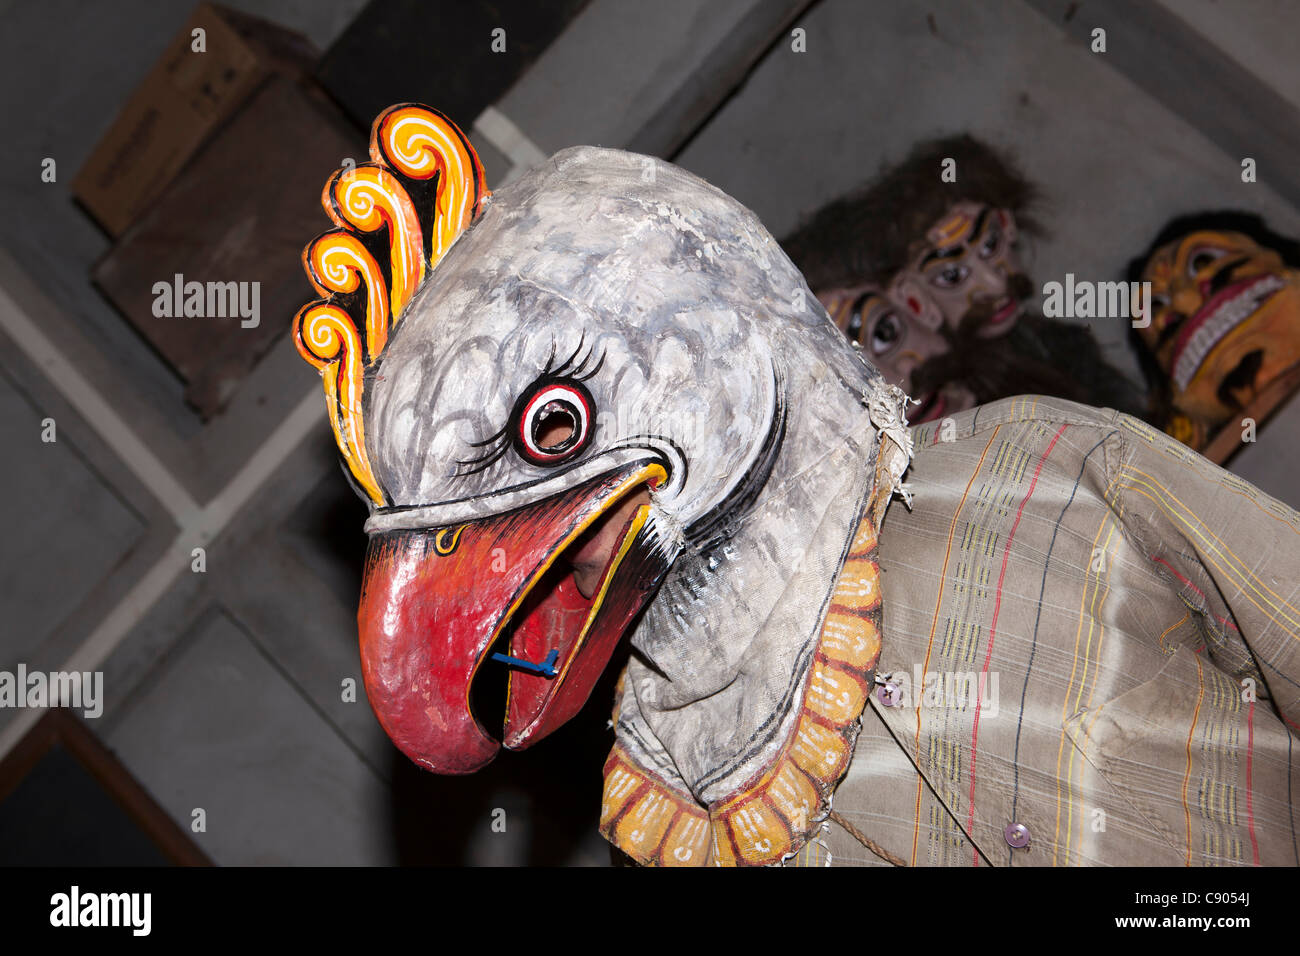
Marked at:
<point>1231,551</point>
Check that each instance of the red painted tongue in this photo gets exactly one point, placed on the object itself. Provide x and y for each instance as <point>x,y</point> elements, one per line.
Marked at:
<point>538,705</point>
<point>551,619</point>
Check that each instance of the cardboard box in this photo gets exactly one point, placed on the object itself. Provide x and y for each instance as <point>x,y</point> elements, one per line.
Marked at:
<point>184,100</point>
<point>234,223</point>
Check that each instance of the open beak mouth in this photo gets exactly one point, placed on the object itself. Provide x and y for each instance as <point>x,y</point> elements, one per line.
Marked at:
<point>443,609</point>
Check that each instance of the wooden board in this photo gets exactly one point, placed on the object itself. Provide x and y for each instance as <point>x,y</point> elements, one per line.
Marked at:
<point>184,100</point>
<point>439,54</point>
<point>1227,442</point>
<point>241,212</point>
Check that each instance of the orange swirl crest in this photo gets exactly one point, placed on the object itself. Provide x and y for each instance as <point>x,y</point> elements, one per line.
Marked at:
<point>339,262</point>
<point>422,144</point>
<point>327,338</point>
<point>410,145</point>
<point>370,198</point>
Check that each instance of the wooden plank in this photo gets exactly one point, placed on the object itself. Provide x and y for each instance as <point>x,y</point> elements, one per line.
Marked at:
<point>242,212</point>
<point>439,54</point>
<point>183,100</point>
<point>704,91</point>
<point>1227,442</point>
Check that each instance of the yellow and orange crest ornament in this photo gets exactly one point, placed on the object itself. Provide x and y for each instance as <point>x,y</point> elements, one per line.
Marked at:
<point>396,216</point>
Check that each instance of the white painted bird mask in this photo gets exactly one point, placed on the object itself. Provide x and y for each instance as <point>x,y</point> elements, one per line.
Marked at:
<point>609,350</point>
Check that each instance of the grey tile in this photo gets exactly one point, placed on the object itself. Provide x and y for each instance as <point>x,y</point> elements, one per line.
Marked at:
<point>1272,462</point>
<point>310,629</point>
<point>55,110</point>
<point>1259,34</point>
<point>218,727</point>
<point>614,67</point>
<point>64,526</point>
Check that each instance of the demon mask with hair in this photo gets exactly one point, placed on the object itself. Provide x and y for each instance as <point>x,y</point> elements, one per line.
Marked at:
<point>923,275</point>
<point>948,247</point>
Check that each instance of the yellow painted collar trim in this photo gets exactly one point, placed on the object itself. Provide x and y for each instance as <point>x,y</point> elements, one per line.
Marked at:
<point>778,812</point>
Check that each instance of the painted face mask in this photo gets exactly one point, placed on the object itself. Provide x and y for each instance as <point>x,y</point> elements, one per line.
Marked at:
<point>968,266</point>
<point>1225,322</point>
<point>589,408</point>
<point>898,330</point>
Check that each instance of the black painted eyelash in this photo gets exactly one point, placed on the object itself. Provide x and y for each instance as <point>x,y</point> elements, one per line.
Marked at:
<point>579,371</point>
<point>571,368</point>
<point>488,458</point>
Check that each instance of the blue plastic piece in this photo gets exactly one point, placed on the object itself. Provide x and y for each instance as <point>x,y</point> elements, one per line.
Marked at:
<point>546,668</point>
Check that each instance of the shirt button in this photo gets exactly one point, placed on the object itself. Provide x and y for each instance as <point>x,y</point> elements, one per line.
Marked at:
<point>1017,835</point>
<point>887,694</point>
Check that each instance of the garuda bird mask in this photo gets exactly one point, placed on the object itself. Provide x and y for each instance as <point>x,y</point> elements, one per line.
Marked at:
<point>609,364</point>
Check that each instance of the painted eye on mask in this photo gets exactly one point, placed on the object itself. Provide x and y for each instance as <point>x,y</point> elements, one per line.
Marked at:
<point>950,277</point>
<point>1202,258</point>
<point>854,329</point>
<point>989,247</point>
<point>553,423</point>
<point>886,334</point>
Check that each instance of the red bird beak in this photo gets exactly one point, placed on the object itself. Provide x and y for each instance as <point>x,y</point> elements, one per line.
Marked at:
<point>435,605</point>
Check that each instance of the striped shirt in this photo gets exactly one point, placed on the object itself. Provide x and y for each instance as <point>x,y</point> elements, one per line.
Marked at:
<point>1092,645</point>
